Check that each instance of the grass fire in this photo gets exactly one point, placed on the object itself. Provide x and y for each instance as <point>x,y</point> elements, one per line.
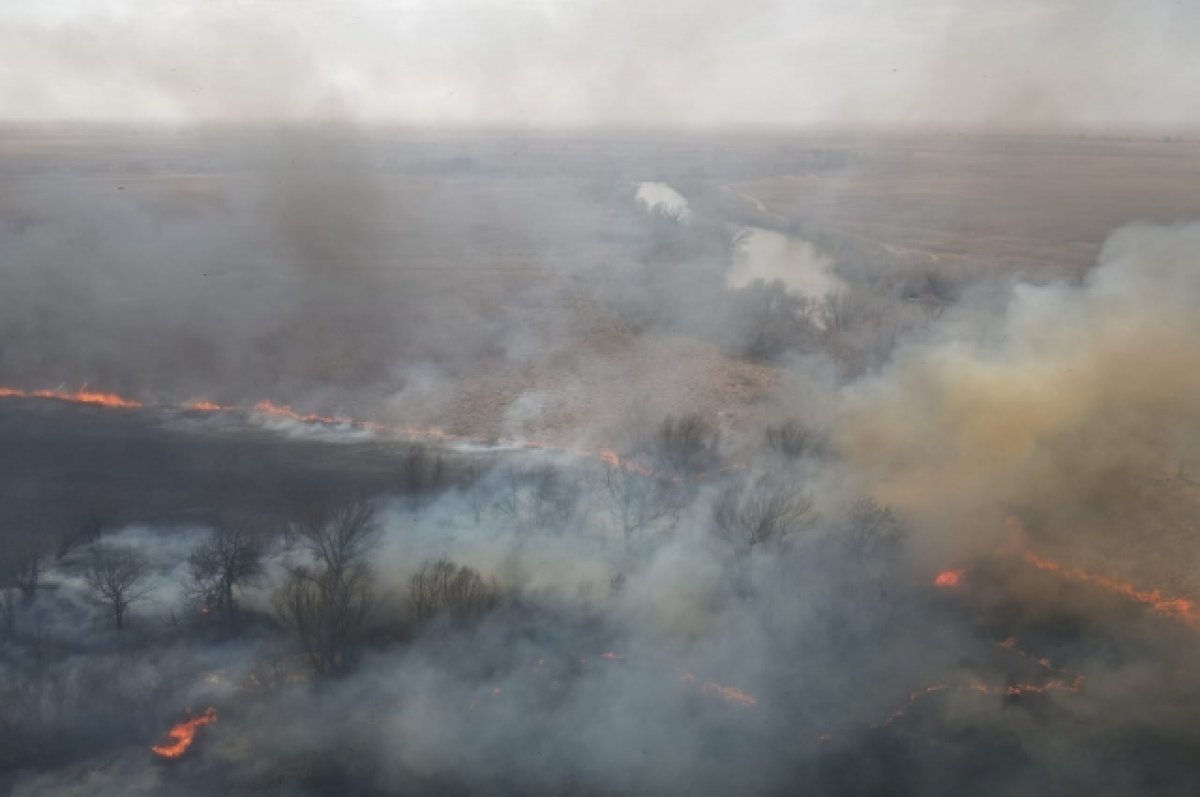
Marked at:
<point>599,398</point>
<point>183,734</point>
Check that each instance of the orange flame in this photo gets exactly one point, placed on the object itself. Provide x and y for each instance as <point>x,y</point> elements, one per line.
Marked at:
<point>614,460</point>
<point>284,411</point>
<point>80,396</point>
<point>1012,690</point>
<point>730,694</point>
<point>207,406</point>
<point>1176,608</point>
<point>949,578</point>
<point>267,407</point>
<point>183,734</point>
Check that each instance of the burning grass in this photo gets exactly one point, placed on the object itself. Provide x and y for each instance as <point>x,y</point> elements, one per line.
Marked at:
<point>182,735</point>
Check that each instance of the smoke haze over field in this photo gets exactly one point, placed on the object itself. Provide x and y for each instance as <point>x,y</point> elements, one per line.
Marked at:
<point>1013,65</point>
<point>1057,408</point>
<point>599,398</point>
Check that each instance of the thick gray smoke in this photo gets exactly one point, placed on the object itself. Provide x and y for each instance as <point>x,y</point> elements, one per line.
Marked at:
<point>1063,407</point>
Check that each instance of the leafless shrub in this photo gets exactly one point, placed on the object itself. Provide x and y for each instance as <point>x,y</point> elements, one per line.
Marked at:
<point>541,497</point>
<point>871,530</point>
<point>118,579</point>
<point>687,445</point>
<point>228,561</point>
<point>794,440</point>
<point>860,331</point>
<point>843,311</point>
<point>444,588</point>
<point>20,573</point>
<point>769,320</point>
<point>761,511</point>
<point>421,471</point>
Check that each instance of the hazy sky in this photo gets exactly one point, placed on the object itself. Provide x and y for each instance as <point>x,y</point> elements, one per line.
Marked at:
<point>1013,63</point>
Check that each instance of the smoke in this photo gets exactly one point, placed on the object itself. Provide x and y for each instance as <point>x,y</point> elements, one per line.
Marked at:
<point>1025,64</point>
<point>752,394</point>
<point>1064,407</point>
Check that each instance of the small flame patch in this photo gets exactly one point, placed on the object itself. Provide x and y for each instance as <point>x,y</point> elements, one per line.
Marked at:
<point>183,734</point>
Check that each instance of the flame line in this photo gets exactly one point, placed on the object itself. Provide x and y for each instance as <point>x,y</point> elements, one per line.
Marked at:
<point>273,409</point>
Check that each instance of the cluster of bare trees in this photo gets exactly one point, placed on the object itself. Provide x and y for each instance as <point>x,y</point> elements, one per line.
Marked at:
<point>767,320</point>
<point>537,498</point>
<point>444,588</point>
<point>858,327</point>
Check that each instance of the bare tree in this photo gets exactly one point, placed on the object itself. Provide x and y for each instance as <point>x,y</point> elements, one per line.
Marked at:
<point>337,534</point>
<point>638,500</point>
<point>326,609</point>
<point>325,602</point>
<point>687,444</point>
<point>229,560</point>
<point>446,588</point>
<point>421,472</point>
<point>762,511</point>
<point>541,497</point>
<point>118,578</point>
